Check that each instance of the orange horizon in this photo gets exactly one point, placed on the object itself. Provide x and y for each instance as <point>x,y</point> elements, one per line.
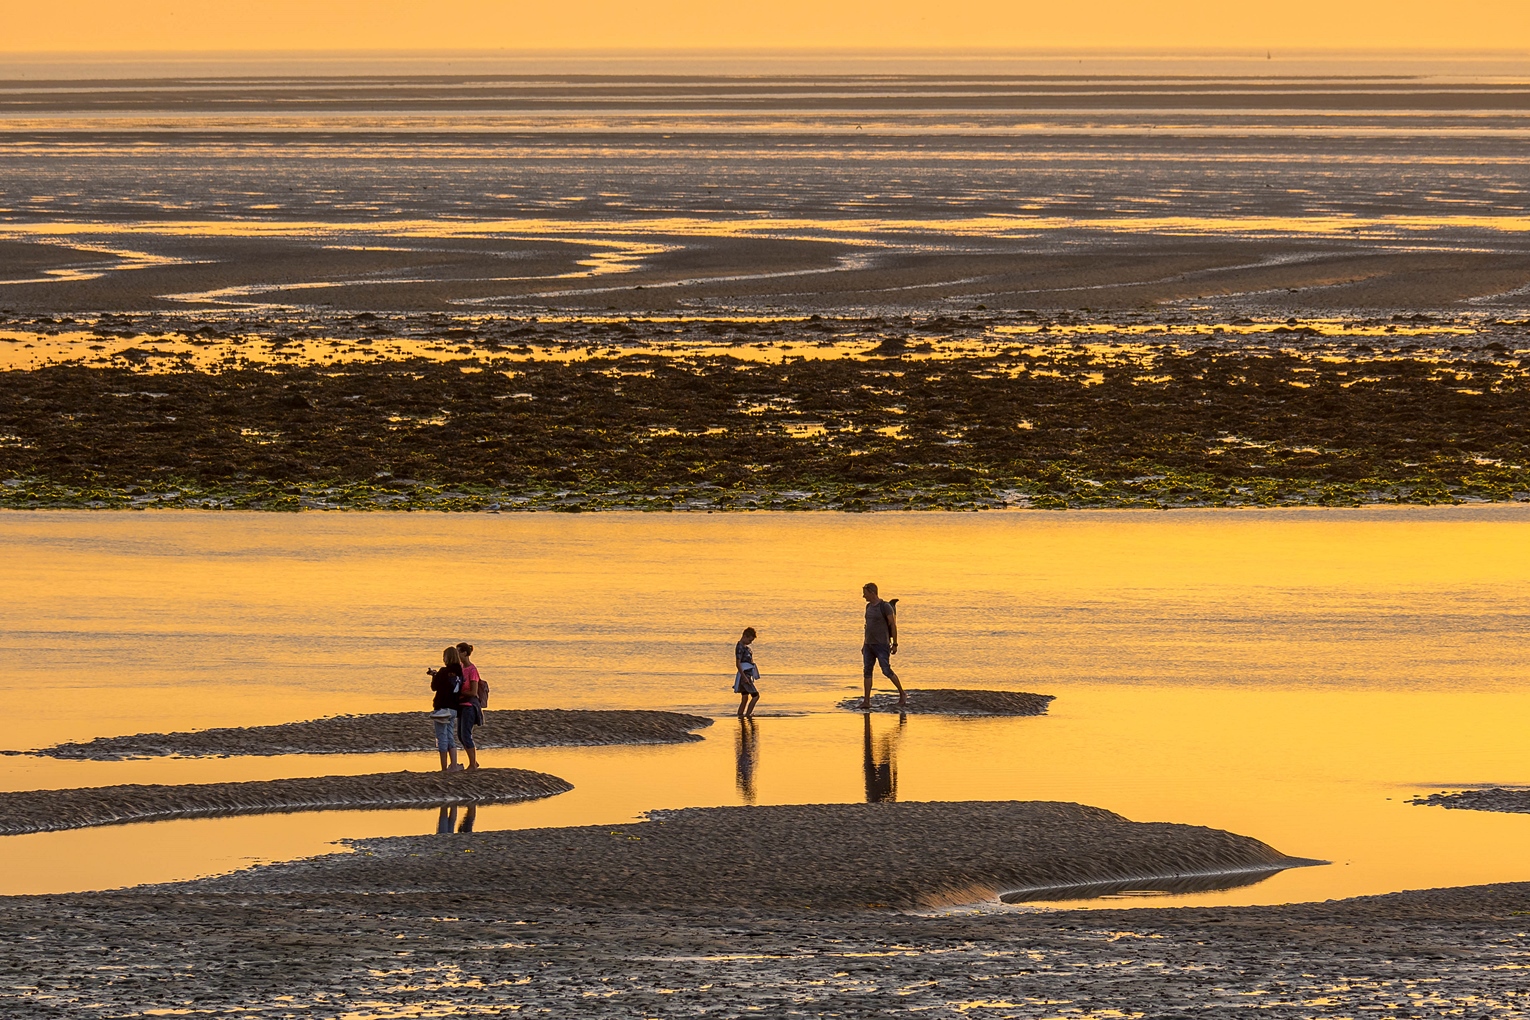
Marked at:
<point>688,26</point>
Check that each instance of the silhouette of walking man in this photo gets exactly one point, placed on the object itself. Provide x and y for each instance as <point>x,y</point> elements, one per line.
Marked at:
<point>881,642</point>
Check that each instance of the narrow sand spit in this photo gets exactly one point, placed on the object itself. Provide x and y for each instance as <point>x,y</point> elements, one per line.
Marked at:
<point>1495,799</point>
<point>816,857</point>
<point>51,810</point>
<point>396,731</point>
<point>947,701</point>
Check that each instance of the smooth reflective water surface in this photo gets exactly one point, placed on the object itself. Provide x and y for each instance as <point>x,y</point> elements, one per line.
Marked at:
<point>1291,675</point>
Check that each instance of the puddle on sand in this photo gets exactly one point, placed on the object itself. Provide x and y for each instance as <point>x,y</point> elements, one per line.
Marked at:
<point>1292,676</point>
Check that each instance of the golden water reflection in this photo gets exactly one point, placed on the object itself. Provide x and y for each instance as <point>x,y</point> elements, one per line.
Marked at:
<point>1316,774</point>
<point>1293,676</point>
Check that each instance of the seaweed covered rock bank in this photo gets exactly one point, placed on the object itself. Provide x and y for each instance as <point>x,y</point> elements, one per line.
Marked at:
<point>396,731</point>
<point>850,413</point>
<point>53,810</point>
<point>807,857</point>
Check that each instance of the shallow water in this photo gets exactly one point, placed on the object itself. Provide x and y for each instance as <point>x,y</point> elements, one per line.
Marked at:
<point>1291,675</point>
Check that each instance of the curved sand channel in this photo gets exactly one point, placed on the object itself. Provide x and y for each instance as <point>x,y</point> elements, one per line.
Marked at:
<point>816,857</point>
<point>395,731</point>
<point>54,810</point>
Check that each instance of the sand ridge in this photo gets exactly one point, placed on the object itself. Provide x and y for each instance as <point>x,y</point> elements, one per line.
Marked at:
<point>55,810</point>
<point>950,701</point>
<point>821,857</point>
<point>396,731</point>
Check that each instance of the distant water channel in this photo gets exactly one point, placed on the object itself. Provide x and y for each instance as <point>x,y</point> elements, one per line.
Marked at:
<point>1291,675</point>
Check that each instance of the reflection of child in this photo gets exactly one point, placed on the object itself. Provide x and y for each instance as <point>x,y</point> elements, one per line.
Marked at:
<point>747,673</point>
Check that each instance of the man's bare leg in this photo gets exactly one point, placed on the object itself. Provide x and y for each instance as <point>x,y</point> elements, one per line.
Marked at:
<point>902,694</point>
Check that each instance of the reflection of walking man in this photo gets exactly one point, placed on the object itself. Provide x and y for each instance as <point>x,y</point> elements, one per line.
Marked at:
<point>881,642</point>
<point>880,763</point>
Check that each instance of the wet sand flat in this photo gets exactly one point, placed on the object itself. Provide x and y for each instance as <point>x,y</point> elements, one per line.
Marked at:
<point>831,268</point>
<point>454,194</point>
<point>814,857</point>
<point>397,731</point>
<point>55,810</point>
<point>1414,954</point>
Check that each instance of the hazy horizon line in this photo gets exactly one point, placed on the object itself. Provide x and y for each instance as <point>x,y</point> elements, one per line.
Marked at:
<point>1250,52</point>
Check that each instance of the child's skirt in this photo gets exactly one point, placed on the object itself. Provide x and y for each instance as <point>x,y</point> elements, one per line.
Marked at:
<point>743,680</point>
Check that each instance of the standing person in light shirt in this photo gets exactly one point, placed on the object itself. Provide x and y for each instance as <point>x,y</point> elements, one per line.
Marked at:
<point>469,709</point>
<point>746,673</point>
<point>881,641</point>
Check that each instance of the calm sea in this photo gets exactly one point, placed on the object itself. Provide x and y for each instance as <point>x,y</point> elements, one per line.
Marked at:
<point>1293,675</point>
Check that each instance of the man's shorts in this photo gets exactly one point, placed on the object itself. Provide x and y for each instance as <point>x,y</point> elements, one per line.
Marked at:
<point>878,654</point>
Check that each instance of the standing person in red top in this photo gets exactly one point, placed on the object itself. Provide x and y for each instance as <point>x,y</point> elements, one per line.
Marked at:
<point>469,711</point>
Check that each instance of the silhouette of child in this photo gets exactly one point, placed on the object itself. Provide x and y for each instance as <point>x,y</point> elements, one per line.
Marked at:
<point>746,675</point>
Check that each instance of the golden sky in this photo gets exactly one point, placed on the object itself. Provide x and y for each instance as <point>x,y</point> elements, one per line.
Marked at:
<point>160,25</point>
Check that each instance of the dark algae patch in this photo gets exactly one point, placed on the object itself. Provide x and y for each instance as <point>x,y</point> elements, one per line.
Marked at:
<point>53,810</point>
<point>396,731</point>
<point>935,413</point>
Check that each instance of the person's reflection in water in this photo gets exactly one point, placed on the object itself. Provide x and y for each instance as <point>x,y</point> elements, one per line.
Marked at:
<point>880,761</point>
<point>746,752</point>
<point>447,822</point>
<point>468,818</point>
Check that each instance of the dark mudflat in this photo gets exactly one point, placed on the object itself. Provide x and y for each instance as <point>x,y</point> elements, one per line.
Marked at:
<point>957,702</point>
<point>396,731</point>
<point>52,810</point>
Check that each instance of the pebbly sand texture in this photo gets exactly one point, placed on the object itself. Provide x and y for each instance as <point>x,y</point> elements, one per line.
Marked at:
<point>1495,799</point>
<point>947,701</point>
<point>821,857</point>
<point>396,731</point>
<point>1454,952</point>
<point>52,810</point>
